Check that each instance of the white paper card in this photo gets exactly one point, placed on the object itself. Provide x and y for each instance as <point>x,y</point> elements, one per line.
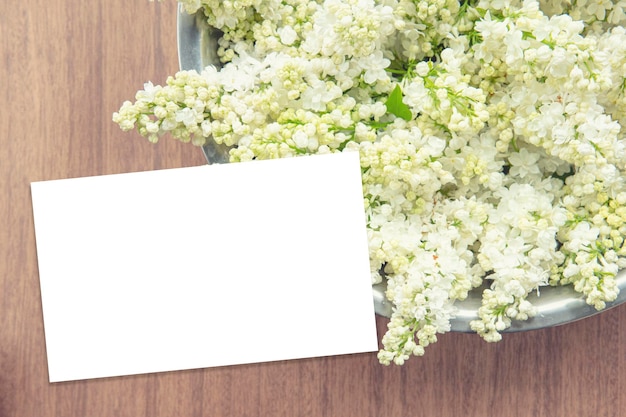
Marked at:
<point>204,266</point>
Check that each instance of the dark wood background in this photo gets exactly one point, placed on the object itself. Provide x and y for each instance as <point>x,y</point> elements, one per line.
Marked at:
<point>65,66</point>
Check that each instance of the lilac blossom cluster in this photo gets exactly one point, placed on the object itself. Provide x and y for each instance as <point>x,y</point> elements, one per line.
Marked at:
<point>490,136</point>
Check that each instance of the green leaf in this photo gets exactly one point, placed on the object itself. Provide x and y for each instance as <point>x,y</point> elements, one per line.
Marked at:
<point>396,106</point>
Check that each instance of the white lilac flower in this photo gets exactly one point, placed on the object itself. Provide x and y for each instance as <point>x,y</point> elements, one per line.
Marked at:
<point>524,163</point>
<point>491,138</point>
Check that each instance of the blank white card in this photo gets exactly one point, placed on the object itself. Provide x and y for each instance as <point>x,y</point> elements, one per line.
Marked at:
<point>204,266</point>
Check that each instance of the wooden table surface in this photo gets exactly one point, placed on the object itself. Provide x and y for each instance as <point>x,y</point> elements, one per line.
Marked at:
<point>65,66</point>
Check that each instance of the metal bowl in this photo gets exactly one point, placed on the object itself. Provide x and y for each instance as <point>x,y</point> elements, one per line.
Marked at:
<point>197,48</point>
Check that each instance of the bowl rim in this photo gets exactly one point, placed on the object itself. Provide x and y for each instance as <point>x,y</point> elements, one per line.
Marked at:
<point>556,306</point>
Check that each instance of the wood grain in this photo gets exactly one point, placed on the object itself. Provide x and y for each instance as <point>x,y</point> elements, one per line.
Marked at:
<point>65,67</point>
